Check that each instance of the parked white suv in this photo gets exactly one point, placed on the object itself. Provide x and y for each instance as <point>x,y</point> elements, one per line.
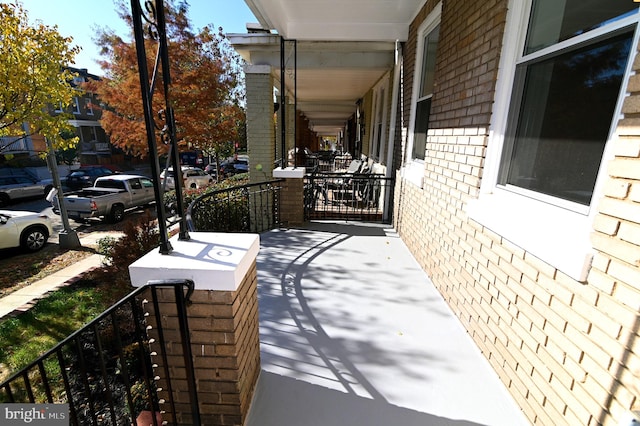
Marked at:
<point>24,229</point>
<point>193,178</point>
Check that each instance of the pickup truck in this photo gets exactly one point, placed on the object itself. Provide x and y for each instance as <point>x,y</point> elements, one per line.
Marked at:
<point>109,197</point>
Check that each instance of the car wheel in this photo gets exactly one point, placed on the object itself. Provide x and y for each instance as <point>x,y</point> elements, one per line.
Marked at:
<point>193,185</point>
<point>34,238</point>
<point>4,200</point>
<point>117,213</point>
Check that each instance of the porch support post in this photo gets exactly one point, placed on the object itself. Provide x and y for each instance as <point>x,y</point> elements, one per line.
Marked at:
<point>222,322</point>
<point>260,121</point>
<point>292,195</point>
<point>291,141</point>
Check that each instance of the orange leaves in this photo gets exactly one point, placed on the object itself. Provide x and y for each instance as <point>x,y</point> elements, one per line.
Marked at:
<point>206,81</point>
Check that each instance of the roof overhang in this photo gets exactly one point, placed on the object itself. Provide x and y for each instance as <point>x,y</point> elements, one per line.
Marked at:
<point>355,20</point>
<point>343,48</point>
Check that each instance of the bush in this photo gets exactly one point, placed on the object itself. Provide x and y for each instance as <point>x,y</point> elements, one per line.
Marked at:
<point>140,237</point>
<point>188,195</point>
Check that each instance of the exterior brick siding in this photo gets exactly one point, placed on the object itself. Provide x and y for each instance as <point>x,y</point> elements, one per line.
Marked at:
<point>567,351</point>
<point>226,353</point>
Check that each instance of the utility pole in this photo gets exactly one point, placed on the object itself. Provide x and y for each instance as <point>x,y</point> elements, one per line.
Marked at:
<point>68,238</point>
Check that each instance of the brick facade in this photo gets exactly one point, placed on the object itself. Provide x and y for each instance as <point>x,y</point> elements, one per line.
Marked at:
<point>567,351</point>
<point>260,121</point>
<point>226,353</point>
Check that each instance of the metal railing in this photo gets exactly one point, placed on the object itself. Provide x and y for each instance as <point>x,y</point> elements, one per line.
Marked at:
<point>253,207</point>
<point>349,196</point>
<point>116,366</point>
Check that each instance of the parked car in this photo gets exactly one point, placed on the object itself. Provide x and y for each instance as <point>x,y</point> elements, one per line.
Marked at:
<point>211,169</point>
<point>193,177</point>
<point>109,197</point>
<point>28,230</point>
<point>85,176</point>
<point>233,167</point>
<point>19,187</point>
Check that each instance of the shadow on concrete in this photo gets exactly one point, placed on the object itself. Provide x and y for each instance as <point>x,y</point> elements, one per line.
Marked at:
<point>305,404</point>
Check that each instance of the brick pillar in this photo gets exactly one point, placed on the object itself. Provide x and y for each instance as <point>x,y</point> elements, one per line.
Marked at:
<point>260,121</point>
<point>223,323</point>
<point>292,195</point>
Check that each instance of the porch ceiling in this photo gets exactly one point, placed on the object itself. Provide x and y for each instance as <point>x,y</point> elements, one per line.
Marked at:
<point>344,48</point>
<point>362,20</point>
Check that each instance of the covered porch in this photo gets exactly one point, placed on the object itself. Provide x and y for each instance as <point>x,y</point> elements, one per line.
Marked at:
<point>353,332</point>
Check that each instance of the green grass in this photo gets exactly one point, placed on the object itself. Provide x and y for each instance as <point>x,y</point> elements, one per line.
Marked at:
<point>27,336</point>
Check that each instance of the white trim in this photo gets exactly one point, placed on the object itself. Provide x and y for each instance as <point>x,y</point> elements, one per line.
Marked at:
<point>413,169</point>
<point>87,106</point>
<point>214,261</point>
<point>76,105</point>
<point>380,111</point>
<point>289,172</point>
<point>432,21</point>
<point>557,236</point>
<point>554,230</point>
<point>517,18</point>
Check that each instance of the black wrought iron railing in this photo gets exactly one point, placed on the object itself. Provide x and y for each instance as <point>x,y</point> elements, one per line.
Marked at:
<point>116,367</point>
<point>349,196</point>
<point>253,207</point>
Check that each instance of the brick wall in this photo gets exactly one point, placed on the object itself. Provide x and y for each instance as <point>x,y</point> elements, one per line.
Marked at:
<point>226,350</point>
<point>292,202</point>
<point>566,351</point>
<point>260,121</point>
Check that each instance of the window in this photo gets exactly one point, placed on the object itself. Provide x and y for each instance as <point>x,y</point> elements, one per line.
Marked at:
<point>548,148</point>
<point>379,121</point>
<point>425,93</point>
<point>87,106</point>
<point>135,184</point>
<point>565,65</point>
<point>87,134</point>
<point>76,105</point>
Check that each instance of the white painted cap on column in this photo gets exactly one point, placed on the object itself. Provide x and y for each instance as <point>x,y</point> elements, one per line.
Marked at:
<point>214,261</point>
<point>289,172</point>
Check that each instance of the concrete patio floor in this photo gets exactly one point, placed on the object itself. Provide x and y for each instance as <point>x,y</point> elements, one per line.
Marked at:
<point>354,333</point>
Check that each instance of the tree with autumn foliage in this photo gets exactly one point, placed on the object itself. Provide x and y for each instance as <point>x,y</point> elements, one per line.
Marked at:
<point>34,78</point>
<point>206,88</point>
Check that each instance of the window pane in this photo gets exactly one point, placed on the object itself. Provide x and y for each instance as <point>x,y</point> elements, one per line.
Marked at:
<point>422,125</point>
<point>87,134</point>
<point>553,21</point>
<point>565,115</point>
<point>429,62</point>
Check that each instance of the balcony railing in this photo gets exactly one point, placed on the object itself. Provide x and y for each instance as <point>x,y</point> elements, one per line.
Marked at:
<point>108,372</point>
<point>349,196</point>
<point>253,207</point>
<point>10,144</point>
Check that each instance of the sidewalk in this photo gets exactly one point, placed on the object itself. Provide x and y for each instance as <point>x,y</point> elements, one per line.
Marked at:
<point>23,299</point>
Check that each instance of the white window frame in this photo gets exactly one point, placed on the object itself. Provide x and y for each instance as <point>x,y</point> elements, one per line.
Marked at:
<point>76,105</point>
<point>414,168</point>
<point>87,105</point>
<point>380,119</point>
<point>554,230</point>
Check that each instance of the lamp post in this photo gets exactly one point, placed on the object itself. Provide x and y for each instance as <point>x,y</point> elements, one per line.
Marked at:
<point>68,238</point>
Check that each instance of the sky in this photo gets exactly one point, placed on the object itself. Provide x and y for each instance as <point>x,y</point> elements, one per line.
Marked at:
<point>79,18</point>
